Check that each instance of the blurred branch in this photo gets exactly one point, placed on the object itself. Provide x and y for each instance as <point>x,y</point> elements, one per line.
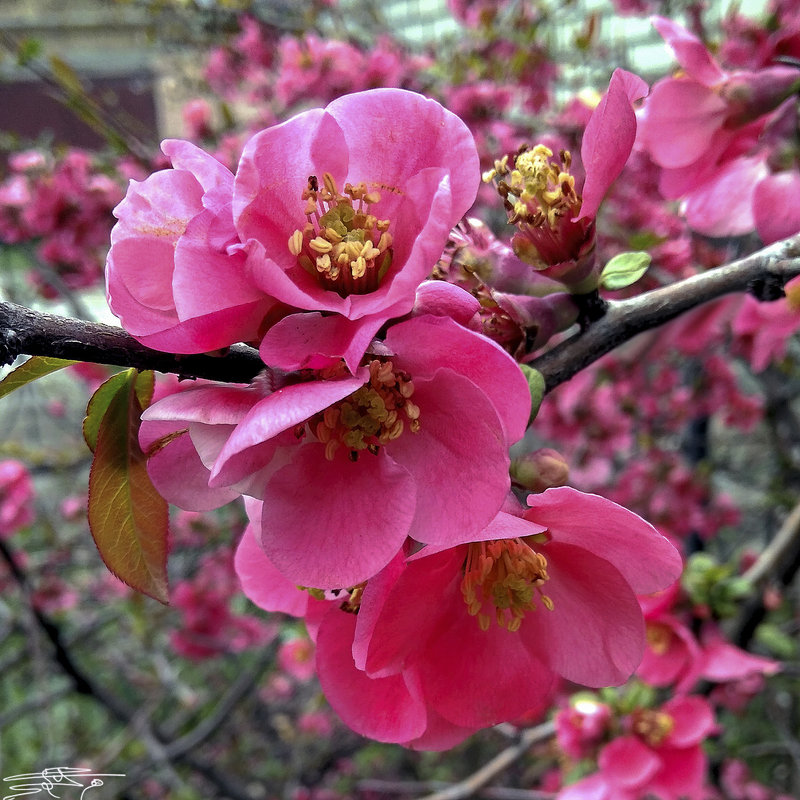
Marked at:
<point>491,769</point>
<point>23,331</point>
<point>778,563</point>
<point>159,748</point>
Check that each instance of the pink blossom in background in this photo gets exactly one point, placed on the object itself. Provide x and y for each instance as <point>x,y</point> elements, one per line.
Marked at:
<point>581,728</point>
<point>16,497</point>
<point>296,658</point>
<point>447,404</point>
<point>762,329</point>
<point>704,127</point>
<point>661,755</point>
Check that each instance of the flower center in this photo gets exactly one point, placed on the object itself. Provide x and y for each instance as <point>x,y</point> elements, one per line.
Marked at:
<point>504,573</point>
<point>345,247</point>
<point>651,726</point>
<point>349,599</point>
<point>536,190</point>
<point>659,637</point>
<point>373,415</point>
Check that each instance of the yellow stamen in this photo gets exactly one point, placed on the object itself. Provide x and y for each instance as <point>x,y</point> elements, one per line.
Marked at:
<point>651,726</point>
<point>344,246</point>
<point>375,414</point>
<point>504,573</point>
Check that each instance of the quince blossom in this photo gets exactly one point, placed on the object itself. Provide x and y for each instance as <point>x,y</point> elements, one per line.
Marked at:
<point>556,223</point>
<point>171,275</point>
<point>345,210</point>
<point>342,210</point>
<point>350,465</point>
<point>449,640</point>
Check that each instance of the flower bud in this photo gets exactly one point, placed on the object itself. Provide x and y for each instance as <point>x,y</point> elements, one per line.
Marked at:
<point>540,470</point>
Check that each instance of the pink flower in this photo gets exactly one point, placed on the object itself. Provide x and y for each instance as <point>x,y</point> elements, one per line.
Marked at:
<point>346,210</point>
<point>296,658</point>
<point>556,232</point>
<point>349,466</point>
<point>171,275</point>
<point>763,329</point>
<point>662,756</point>
<point>454,639</point>
<point>16,497</point>
<point>703,129</point>
<point>524,601</point>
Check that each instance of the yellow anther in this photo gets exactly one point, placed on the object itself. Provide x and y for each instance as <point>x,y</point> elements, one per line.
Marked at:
<point>296,243</point>
<point>320,245</point>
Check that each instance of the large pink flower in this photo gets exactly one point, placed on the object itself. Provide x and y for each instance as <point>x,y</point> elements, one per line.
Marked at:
<point>171,276</point>
<point>552,592</point>
<point>414,444</point>
<point>347,210</point>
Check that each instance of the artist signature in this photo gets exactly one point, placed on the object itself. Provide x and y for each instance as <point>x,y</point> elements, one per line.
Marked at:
<point>57,779</point>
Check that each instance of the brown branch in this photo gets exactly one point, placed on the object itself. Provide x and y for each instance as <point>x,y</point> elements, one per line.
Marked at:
<point>23,331</point>
<point>763,273</point>
<point>27,332</point>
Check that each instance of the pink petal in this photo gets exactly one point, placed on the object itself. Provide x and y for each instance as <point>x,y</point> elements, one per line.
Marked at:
<point>776,206</point>
<point>442,299</point>
<point>691,53</point>
<point>381,708</point>
<point>273,172</point>
<point>312,341</point>
<point>282,411</point>
<point>209,172</point>
<point>207,280</point>
<point>399,633</point>
<point>725,662</point>
<point>263,584</point>
<point>682,774</point>
<point>476,678</point>
<point>609,138</point>
<point>680,120</point>
<point>693,718</point>
<point>595,633</point>
<point>458,459</point>
<point>333,524</point>
<point>177,472</point>
<point>432,342</point>
<point>723,206</point>
<point>209,405</point>
<point>429,135</point>
<point>628,763</point>
<point>641,554</point>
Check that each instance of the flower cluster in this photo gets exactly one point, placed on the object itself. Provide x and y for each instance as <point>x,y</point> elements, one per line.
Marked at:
<point>373,448</point>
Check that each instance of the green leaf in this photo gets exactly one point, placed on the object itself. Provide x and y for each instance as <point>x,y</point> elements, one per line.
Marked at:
<point>536,386</point>
<point>31,370</point>
<point>624,269</point>
<point>127,517</point>
<point>98,405</point>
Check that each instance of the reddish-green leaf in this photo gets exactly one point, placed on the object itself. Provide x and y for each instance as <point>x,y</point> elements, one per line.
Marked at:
<point>128,518</point>
<point>98,405</point>
<point>31,370</point>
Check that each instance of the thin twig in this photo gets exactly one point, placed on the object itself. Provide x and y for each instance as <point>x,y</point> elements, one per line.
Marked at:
<point>501,761</point>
